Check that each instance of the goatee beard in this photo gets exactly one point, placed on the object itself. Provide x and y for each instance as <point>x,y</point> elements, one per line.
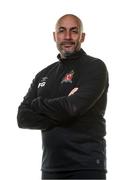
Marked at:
<point>67,54</point>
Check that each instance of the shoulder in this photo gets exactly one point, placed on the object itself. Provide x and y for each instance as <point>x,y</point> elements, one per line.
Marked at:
<point>46,69</point>
<point>95,63</point>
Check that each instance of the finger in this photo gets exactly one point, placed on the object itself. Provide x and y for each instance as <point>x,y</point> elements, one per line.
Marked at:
<point>73,91</point>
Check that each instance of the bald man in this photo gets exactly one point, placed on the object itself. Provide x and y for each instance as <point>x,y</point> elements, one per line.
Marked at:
<point>67,102</point>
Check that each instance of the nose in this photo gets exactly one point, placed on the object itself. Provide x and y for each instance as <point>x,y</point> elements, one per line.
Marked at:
<point>68,35</point>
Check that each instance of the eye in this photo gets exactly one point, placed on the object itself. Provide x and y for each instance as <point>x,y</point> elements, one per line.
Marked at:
<point>61,30</point>
<point>75,31</point>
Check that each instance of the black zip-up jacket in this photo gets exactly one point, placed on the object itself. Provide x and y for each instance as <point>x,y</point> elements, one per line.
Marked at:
<point>73,127</point>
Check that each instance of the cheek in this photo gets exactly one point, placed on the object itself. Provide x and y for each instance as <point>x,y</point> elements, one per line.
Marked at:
<point>77,40</point>
<point>60,37</point>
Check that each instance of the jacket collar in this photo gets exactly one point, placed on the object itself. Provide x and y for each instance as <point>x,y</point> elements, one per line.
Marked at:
<point>75,56</point>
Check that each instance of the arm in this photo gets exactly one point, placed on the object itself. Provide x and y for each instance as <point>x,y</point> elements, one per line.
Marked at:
<point>64,108</point>
<point>31,120</point>
<point>26,117</point>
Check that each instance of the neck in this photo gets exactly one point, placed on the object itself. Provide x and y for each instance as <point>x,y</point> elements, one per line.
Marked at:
<point>68,54</point>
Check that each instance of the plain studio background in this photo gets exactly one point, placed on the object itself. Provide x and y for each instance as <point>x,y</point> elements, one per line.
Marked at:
<point>26,47</point>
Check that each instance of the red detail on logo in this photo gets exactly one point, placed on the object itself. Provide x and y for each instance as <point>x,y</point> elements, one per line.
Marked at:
<point>68,77</point>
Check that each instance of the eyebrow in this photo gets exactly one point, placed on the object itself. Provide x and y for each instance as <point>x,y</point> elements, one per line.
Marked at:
<point>72,28</point>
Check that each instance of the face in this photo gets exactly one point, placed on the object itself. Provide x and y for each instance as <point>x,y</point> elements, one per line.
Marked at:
<point>68,36</point>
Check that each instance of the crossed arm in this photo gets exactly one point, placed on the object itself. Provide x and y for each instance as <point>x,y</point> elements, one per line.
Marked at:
<point>39,113</point>
<point>27,117</point>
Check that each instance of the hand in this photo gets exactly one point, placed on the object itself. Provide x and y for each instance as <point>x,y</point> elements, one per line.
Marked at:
<point>73,91</point>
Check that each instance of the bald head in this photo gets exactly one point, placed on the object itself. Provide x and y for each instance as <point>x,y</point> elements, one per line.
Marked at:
<point>72,16</point>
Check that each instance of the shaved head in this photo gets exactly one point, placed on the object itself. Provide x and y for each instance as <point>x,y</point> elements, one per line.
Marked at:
<point>76,18</point>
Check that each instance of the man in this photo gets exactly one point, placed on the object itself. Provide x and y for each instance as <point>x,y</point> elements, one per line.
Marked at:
<point>67,102</point>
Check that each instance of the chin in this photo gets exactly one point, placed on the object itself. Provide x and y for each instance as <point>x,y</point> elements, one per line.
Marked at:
<point>68,52</point>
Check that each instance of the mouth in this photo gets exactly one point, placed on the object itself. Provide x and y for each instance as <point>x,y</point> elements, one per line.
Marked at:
<point>68,45</point>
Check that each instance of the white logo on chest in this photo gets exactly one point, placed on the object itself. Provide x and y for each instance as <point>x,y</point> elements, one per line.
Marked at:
<point>43,82</point>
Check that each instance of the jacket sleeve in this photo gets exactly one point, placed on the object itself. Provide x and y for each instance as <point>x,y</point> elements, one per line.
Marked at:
<point>90,91</point>
<point>27,118</point>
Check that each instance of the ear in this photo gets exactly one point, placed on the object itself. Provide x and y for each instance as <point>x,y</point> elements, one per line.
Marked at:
<point>82,37</point>
<point>54,36</point>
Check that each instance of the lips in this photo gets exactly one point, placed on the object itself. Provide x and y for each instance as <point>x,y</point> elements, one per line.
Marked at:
<point>68,46</point>
<point>67,43</point>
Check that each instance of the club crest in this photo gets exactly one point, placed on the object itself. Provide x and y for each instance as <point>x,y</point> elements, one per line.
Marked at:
<point>68,77</point>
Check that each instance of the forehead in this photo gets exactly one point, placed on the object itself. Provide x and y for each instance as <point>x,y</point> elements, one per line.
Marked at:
<point>68,22</point>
